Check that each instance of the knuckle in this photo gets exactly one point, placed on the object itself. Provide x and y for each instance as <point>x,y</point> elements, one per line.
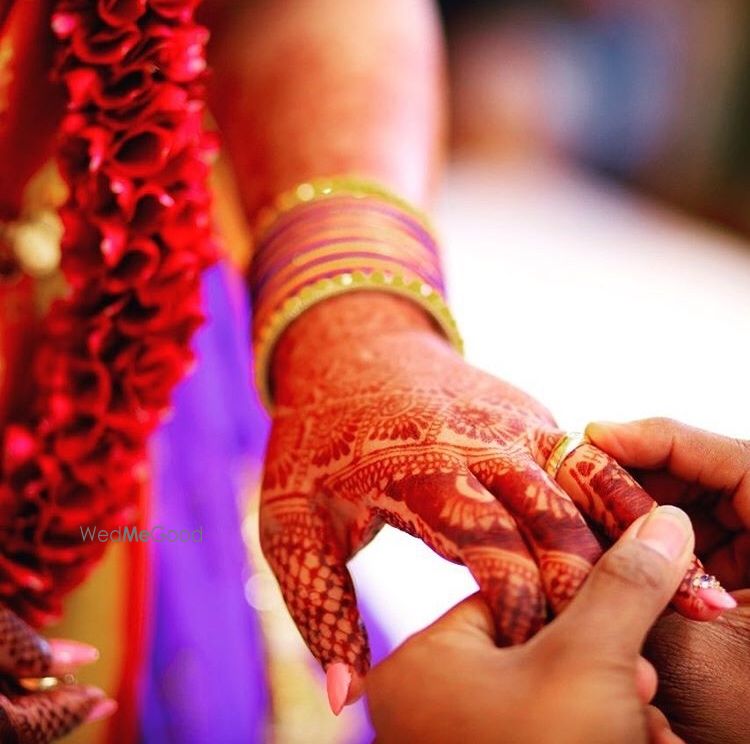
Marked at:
<point>743,446</point>
<point>634,565</point>
<point>663,423</point>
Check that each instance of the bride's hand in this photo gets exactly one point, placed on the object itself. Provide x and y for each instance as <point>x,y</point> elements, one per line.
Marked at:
<point>38,717</point>
<point>379,421</point>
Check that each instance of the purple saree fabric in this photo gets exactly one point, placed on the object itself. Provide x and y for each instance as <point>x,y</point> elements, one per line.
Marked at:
<point>204,678</point>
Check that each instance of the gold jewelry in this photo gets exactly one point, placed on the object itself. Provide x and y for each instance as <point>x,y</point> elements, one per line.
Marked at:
<point>568,443</point>
<point>423,294</point>
<point>35,242</point>
<point>44,684</point>
<point>321,188</point>
<point>334,235</point>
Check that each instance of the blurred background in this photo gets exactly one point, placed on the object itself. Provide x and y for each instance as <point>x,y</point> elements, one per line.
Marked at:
<point>654,94</point>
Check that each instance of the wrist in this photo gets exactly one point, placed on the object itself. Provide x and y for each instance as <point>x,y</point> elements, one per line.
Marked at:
<point>344,324</point>
<point>332,237</point>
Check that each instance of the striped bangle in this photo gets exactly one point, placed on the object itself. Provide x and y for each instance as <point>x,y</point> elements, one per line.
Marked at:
<point>339,235</point>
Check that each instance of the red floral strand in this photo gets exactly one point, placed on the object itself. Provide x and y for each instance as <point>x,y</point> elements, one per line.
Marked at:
<point>137,237</point>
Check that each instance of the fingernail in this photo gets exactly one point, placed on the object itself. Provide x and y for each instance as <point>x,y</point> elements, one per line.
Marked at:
<point>101,709</point>
<point>667,531</point>
<point>595,427</point>
<point>604,424</point>
<point>338,680</point>
<point>68,655</point>
<point>718,599</point>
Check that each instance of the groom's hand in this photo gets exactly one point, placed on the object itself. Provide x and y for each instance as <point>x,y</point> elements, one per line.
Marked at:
<point>580,679</point>
<point>704,683</point>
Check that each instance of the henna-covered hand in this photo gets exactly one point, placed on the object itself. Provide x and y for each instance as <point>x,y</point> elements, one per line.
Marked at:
<point>40,717</point>
<point>379,421</point>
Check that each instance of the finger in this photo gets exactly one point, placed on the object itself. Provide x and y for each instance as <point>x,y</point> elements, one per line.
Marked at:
<point>310,566</point>
<point>46,716</point>
<point>463,522</point>
<point>646,680</point>
<point>731,562</point>
<point>472,616</point>
<point>24,653</point>
<point>629,587</point>
<point>696,456</point>
<point>564,546</point>
<point>609,495</point>
<point>659,730</point>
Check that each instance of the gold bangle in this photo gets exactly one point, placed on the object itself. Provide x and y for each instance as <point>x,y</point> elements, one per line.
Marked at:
<point>423,294</point>
<point>320,188</point>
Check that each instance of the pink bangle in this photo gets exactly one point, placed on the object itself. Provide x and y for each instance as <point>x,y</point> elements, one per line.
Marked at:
<point>347,235</point>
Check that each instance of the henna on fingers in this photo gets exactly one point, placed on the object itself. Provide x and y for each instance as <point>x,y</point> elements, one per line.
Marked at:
<point>42,717</point>
<point>609,495</point>
<point>300,545</point>
<point>38,717</point>
<point>23,653</point>
<point>564,547</point>
<point>463,522</point>
<point>378,421</point>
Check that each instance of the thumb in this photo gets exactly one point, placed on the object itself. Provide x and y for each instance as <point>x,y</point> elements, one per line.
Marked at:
<point>630,586</point>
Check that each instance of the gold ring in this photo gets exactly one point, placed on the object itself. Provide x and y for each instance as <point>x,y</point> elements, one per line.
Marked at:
<point>568,443</point>
<point>44,684</point>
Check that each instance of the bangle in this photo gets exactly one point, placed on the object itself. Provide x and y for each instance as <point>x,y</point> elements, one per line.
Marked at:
<point>333,236</point>
<point>320,188</point>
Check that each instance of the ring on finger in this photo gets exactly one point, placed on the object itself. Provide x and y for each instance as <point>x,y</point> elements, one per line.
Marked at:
<point>569,442</point>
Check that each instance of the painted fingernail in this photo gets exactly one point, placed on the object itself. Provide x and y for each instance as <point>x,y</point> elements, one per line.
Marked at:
<point>338,681</point>
<point>718,599</point>
<point>101,709</point>
<point>68,655</point>
<point>667,531</point>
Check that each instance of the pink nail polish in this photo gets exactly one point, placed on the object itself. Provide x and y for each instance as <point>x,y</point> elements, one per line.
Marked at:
<point>338,681</point>
<point>717,599</point>
<point>101,709</point>
<point>69,655</point>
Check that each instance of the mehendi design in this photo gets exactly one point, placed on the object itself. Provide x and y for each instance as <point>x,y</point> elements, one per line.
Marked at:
<point>23,653</point>
<point>35,717</point>
<point>40,718</point>
<point>611,497</point>
<point>379,421</point>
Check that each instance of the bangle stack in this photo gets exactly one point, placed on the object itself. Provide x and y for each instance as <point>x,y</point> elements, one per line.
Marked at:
<point>337,235</point>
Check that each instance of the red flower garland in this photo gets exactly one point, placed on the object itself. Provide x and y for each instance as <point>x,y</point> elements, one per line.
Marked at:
<point>137,236</point>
